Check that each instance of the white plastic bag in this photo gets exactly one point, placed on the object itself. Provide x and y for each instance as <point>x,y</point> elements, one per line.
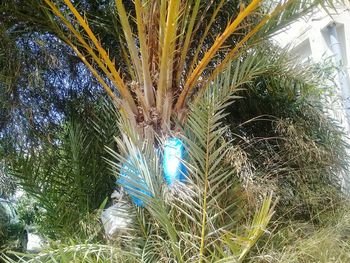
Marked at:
<point>116,218</point>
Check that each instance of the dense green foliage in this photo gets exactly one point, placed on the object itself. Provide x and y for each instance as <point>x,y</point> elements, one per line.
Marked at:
<point>285,140</point>
<point>270,158</point>
<point>68,176</point>
<point>260,127</point>
<point>281,142</point>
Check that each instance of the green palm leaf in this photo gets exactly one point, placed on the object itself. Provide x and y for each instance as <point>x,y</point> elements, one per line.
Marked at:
<point>188,221</point>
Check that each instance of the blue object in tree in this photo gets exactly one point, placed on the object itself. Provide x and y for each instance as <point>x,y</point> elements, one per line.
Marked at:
<point>174,169</point>
<point>130,188</point>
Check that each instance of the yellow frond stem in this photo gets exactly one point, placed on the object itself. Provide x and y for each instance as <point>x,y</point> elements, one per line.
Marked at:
<point>230,29</point>
<point>205,34</point>
<point>168,49</point>
<point>187,42</point>
<point>248,36</point>
<point>79,37</point>
<point>95,73</point>
<point>148,87</point>
<point>96,42</point>
<point>113,75</point>
<point>162,23</point>
<point>129,39</point>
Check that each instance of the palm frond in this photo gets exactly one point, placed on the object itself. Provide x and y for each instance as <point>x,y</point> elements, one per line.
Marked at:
<point>130,39</point>
<point>89,253</point>
<point>210,210</point>
<point>144,51</point>
<point>70,179</point>
<point>198,214</point>
<point>142,178</point>
<point>171,55</point>
<point>168,50</point>
<point>99,55</point>
<point>220,40</point>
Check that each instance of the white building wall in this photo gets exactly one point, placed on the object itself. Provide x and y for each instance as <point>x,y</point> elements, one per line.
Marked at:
<point>309,38</point>
<point>313,29</point>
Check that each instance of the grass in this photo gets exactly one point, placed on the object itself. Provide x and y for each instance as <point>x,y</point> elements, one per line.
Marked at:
<point>304,242</point>
<point>292,242</point>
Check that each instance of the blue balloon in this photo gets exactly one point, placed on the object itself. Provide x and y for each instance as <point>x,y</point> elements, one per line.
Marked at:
<point>174,169</point>
<point>124,181</point>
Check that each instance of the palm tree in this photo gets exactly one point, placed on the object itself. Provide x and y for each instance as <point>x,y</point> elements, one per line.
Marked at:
<point>178,77</point>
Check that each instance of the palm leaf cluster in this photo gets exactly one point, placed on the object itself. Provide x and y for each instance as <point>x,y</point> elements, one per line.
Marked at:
<point>68,177</point>
<point>89,253</point>
<point>198,220</point>
<point>285,140</point>
<point>169,53</point>
<point>172,223</point>
<point>202,219</point>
